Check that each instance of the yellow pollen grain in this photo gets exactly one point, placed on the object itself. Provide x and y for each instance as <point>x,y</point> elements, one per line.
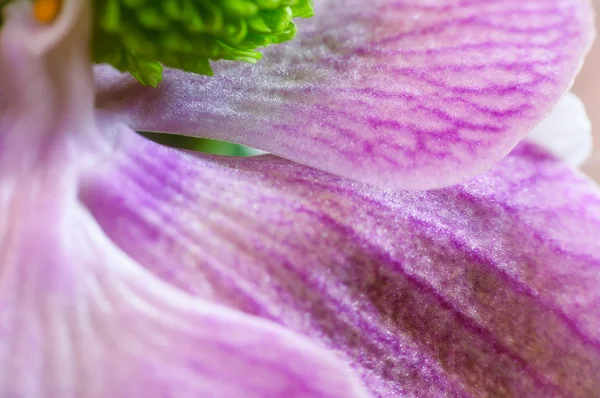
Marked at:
<point>46,11</point>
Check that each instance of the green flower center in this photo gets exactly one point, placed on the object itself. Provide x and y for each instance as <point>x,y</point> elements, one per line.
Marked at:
<point>140,36</point>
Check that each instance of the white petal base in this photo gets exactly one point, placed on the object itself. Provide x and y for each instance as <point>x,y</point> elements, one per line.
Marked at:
<point>566,132</point>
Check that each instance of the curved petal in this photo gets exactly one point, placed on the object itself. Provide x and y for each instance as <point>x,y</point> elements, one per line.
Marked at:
<point>82,320</point>
<point>491,288</point>
<point>79,318</point>
<point>46,78</point>
<point>566,132</point>
<point>404,94</point>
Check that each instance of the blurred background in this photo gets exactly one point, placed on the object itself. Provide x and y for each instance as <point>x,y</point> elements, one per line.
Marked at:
<point>587,87</point>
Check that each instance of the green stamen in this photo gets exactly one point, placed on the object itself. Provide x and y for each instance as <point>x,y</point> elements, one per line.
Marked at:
<point>140,36</point>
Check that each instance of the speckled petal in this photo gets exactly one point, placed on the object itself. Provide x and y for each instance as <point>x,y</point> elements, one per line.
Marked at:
<point>491,288</point>
<point>397,93</point>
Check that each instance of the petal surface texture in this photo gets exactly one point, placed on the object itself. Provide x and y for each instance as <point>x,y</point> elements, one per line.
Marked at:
<point>404,94</point>
<point>491,288</point>
<point>566,132</point>
<point>79,318</point>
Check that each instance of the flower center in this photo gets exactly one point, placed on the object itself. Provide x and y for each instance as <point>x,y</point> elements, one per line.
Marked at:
<point>141,36</point>
<point>46,11</point>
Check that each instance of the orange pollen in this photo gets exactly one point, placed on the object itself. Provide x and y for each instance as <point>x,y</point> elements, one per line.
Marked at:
<point>46,11</point>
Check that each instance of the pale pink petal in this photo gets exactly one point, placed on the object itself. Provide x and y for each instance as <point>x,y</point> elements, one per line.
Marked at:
<point>491,288</point>
<point>404,94</point>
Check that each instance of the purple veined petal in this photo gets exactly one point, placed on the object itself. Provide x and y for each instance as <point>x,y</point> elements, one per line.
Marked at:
<point>79,318</point>
<point>82,320</point>
<point>566,132</point>
<point>491,288</point>
<point>404,94</point>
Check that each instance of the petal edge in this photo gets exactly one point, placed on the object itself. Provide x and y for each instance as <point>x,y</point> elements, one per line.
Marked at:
<point>403,94</point>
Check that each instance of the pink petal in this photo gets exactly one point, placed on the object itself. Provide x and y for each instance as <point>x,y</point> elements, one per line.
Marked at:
<point>491,288</point>
<point>404,94</point>
<point>78,317</point>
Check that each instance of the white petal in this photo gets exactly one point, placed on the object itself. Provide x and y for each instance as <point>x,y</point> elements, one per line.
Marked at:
<point>566,132</point>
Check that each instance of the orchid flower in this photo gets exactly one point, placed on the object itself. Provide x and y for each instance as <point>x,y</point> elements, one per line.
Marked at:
<point>347,262</point>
